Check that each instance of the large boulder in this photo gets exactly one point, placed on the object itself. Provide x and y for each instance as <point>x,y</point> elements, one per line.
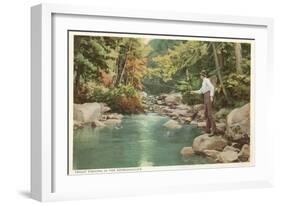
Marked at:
<point>222,113</point>
<point>238,123</point>
<point>187,151</point>
<point>204,142</point>
<point>228,156</point>
<point>88,112</point>
<point>173,99</point>
<point>172,124</point>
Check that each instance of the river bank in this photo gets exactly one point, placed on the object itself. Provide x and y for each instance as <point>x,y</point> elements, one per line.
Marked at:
<point>232,144</point>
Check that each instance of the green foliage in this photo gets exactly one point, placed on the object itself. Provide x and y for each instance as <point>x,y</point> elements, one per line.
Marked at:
<point>124,90</point>
<point>114,69</point>
<point>183,62</point>
<point>239,87</point>
<point>123,98</point>
<point>185,87</point>
<point>93,92</point>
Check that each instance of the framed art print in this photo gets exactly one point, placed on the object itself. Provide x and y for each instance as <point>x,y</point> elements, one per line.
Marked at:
<point>136,102</point>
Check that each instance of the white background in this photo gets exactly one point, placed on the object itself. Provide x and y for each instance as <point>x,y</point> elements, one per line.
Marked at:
<point>15,102</point>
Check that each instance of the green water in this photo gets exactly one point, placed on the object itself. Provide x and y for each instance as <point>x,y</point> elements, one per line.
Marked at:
<point>141,140</point>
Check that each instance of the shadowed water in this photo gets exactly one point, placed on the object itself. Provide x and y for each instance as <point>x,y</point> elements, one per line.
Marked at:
<point>141,140</point>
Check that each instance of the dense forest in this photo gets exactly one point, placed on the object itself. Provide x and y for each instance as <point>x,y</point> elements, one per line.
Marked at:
<point>116,70</point>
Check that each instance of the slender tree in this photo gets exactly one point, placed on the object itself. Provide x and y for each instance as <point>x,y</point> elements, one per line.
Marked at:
<point>218,69</point>
<point>238,57</point>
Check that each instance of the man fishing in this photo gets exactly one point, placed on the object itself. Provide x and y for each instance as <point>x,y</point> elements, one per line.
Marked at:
<point>208,90</point>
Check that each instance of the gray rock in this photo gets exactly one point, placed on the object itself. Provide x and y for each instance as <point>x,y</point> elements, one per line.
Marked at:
<point>77,125</point>
<point>198,107</point>
<point>221,126</point>
<point>104,108</point>
<point>97,123</point>
<point>204,142</point>
<point>187,119</point>
<point>201,124</point>
<point>201,115</point>
<point>178,112</point>
<point>244,154</point>
<point>222,113</point>
<point>230,148</point>
<point>194,123</point>
<point>162,96</point>
<point>228,156</point>
<point>167,110</point>
<point>211,153</point>
<point>184,107</point>
<point>160,102</point>
<point>172,124</point>
<point>173,99</point>
<point>88,112</point>
<point>187,151</point>
<point>112,122</point>
<point>114,116</point>
<point>238,123</point>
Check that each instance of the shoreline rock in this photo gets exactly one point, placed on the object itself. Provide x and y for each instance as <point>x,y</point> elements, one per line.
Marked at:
<point>227,156</point>
<point>112,122</point>
<point>94,115</point>
<point>244,154</point>
<point>212,154</point>
<point>97,123</point>
<point>187,151</point>
<point>89,112</point>
<point>238,123</point>
<point>172,124</point>
<point>204,142</point>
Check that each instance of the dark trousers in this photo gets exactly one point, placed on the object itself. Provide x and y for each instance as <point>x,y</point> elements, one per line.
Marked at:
<point>210,122</point>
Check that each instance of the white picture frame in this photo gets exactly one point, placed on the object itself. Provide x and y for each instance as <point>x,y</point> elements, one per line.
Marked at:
<point>49,180</point>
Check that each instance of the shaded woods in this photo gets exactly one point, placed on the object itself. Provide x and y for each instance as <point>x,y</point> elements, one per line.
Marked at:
<point>117,70</point>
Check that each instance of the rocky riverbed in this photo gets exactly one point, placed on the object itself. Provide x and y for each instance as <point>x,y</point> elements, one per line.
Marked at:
<point>231,145</point>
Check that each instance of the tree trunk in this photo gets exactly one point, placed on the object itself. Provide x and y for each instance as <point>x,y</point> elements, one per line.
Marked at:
<point>122,70</point>
<point>221,60</point>
<point>238,57</point>
<point>77,85</point>
<point>120,67</point>
<point>117,49</point>
<point>218,68</point>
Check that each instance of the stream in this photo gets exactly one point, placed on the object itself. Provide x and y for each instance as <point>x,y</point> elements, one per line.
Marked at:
<point>140,141</point>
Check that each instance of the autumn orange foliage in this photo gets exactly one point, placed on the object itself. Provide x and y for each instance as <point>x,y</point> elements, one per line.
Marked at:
<point>128,104</point>
<point>105,78</point>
